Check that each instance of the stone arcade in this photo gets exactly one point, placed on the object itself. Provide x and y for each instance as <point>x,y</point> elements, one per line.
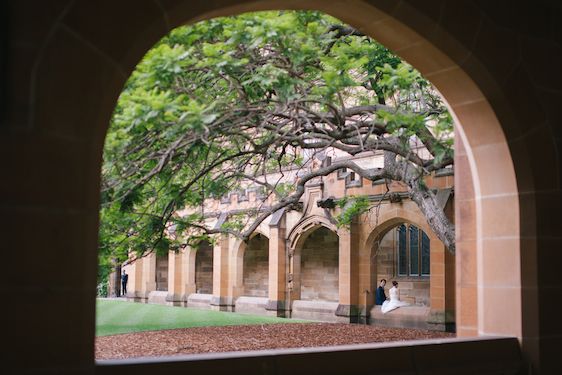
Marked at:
<point>300,264</point>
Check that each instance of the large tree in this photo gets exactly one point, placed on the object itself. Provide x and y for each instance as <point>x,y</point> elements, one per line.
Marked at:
<point>230,100</point>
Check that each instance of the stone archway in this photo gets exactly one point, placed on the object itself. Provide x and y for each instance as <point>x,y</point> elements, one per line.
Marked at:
<point>491,187</point>
<point>488,241</point>
<point>255,274</point>
<point>319,266</point>
<point>300,231</point>
<point>295,241</point>
<point>441,304</point>
<point>314,280</point>
<point>387,221</point>
<point>249,279</point>
<point>204,268</point>
<point>239,247</point>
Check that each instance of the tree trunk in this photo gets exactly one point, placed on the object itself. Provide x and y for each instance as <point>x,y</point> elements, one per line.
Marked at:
<point>413,177</point>
<point>435,215</point>
<point>116,276</point>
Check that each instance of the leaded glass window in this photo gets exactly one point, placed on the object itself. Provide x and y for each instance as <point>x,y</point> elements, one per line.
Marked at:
<point>412,251</point>
<point>402,252</point>
<point>425,267</point>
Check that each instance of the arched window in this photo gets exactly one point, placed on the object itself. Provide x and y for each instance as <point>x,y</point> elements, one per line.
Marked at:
<point>412,251</point>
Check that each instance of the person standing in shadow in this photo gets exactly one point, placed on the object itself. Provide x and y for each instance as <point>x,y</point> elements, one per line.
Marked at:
<point>124,280</point>
<point>380,296</point>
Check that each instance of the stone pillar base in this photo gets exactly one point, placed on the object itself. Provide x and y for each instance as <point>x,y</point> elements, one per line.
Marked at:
<point>364,314</point>
<point>348,313</point>
<point>278,308</point>
<point>143,297</point>
<point>222,304</point>
<point>442,320</point>
<point>183,300</point>
<point>133,297</point>
<point>173,299</point>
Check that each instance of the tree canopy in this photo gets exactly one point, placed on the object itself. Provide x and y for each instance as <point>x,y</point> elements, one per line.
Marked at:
<point>231,99</point>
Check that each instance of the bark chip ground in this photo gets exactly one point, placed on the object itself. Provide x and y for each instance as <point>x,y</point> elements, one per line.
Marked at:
<point>250,337</point>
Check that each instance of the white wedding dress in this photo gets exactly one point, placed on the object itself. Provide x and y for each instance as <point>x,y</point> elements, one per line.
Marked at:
<point>394,301</point>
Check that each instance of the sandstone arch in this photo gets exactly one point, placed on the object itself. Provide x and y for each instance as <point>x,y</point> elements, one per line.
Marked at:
<point>237,258</point>
<point>442,275</point>
<point>304,227</point>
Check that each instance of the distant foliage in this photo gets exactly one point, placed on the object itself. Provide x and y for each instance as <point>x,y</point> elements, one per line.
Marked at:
<point>226,100</point>
<point>103,289</point>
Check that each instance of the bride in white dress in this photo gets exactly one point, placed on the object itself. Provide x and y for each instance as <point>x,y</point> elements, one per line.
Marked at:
<point>394,301</point>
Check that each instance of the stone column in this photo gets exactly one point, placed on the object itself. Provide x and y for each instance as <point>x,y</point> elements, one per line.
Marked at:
<point>348,309</point>
<point>221,299</point>
<point>148,276</point>
<point>237,249</point>
<point>134,285</point>
<point>294,274</point>
<point>174,278</point>
<point>278,262</point>
<point>440,315</point>
<point>450,292</point>
<point>188,285</point>
<point>114,286</point>
<point>437,281</point>
<point>466,245</point>
<point>366,271</point>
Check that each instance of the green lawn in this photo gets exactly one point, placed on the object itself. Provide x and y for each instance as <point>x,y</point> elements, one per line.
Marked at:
<point>115,317</point>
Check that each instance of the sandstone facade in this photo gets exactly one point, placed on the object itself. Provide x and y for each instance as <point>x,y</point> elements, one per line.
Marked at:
<point>301,264</point>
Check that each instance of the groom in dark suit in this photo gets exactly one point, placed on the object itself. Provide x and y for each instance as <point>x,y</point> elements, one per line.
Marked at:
<point>124,280</point>
<point>380,296</point>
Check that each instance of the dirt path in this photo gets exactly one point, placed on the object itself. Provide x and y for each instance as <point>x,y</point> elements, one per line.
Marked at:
<point>250,337</point>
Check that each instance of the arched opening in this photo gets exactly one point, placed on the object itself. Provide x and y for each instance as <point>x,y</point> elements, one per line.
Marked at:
<point>319,266</point>
<point>314,272</point>
<point>308,290</point>
<point>162,272</point>
<point>236,281</point>
<point>250,281</point>
<point>256,267</point>
<point>403,254</point>
<point>403,248</point>
<point>208,210</point>
<point>204,268</point>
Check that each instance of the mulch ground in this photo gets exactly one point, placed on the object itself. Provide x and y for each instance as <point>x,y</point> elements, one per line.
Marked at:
<point>250,337</point>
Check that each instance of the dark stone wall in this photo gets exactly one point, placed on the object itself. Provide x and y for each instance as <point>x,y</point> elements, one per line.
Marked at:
<point>204,268</point>
<point>256,267</point>
<point>319,266</point>
<point>162,272</point>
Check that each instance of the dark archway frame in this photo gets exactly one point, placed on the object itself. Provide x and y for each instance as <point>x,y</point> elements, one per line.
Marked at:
<point>481,151</point>
<point>59,123</point>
